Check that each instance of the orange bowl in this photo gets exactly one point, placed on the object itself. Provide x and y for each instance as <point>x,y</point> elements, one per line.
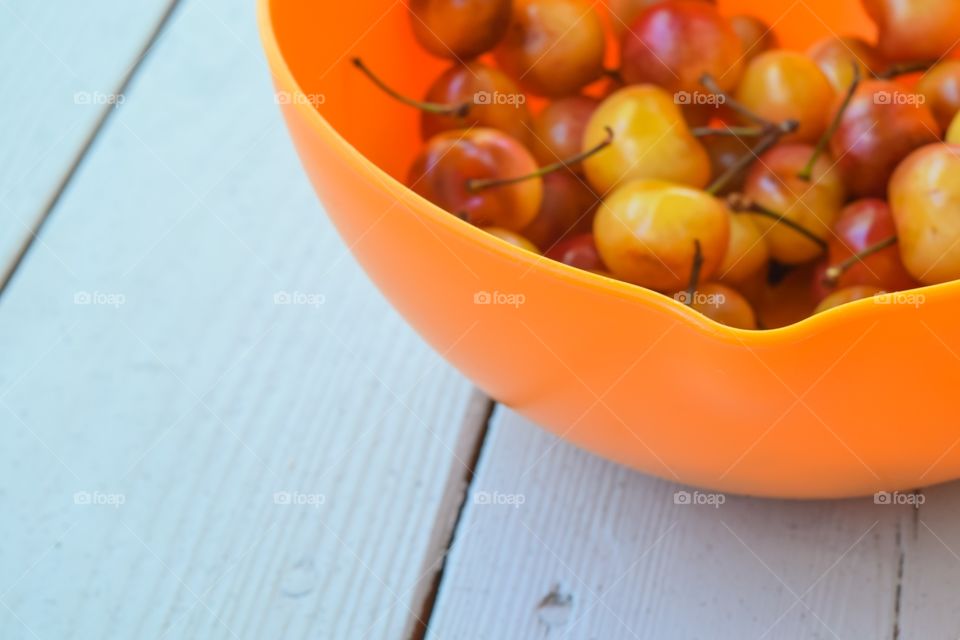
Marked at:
<point>849,402</point>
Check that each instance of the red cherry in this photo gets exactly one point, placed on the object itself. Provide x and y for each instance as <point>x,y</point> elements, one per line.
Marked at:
<point>862,225</point>
<point>675,43</point>
<point>882,125</point>
<point>579,251</point>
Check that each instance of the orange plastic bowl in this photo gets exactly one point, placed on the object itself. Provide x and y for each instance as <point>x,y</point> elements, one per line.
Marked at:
<point>846,403</point>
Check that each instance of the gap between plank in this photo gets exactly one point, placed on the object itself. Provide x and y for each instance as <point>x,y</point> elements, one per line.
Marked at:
<point>472,439</point>
<point>6,275</point>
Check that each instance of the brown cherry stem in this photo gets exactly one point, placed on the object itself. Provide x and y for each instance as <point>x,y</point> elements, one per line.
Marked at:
<point>474,185</point>
<point>455,110</point>
<point>728,131</point>
<point>834,273</point>
<point>807,172</point>
<point>711,85</point>
<point>742,163</point>
<point>903,69</point>
<point>614,74</point>
<point>695,271</point>
<point>741,204</point>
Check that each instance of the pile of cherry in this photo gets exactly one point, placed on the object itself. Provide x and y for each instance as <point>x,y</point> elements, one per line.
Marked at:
<point>756,184</point>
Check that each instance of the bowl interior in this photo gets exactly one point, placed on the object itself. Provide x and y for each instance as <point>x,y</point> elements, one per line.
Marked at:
<point>319,39</point>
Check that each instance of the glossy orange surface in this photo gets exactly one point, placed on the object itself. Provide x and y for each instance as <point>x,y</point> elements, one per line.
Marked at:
<point>854,400</point>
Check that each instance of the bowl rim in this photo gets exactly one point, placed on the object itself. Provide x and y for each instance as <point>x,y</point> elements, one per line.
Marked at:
<point>863,311</point>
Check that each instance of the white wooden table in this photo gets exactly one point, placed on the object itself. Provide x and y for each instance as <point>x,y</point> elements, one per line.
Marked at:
<point>184,456</point>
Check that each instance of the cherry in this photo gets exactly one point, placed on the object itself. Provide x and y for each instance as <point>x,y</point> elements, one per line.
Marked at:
<point>725,305</point>
<point>464,96</point>
<point>493,98</point>
<point>913,30</point>
<point>782,301</point>
<point>674,44</point>
<point>512,237</point>
<point>651,140</point>
<point>953,133</point>
<point>443,171</point>
<point>882,125</point>
<point>756,36</point>
<point>578,251</point>
<point>624,12</point>
<point>863,227</point>
<point>647,232</point>
<point>925,199</point>
<point>726,153</point>
<point>553,47</point>
<point>775,185</point>
<point>558,129</point>
<point>784,85</point>
<point>459,29</point>
<point>747,252</point>
<point>568,207</point>
<point>941,87</point>
<point>847,295</point>
<point>838,56</point>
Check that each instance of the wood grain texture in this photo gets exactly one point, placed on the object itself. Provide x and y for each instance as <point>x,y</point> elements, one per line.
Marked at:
<point>931,568</point>
<point>556,543</point>
<point>64,63</point>
<point>213,426</point>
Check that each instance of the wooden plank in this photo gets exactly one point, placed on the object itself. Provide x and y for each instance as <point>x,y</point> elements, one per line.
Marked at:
<point>931,567</point>
<point>213,425</point>
<point>65,64</point>
<point>558,543</point>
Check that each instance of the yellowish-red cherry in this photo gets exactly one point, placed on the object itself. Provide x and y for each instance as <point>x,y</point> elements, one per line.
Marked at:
<point>941,87</point>
<point>553,47</point>
<point>651,140</point>
<point>445,167</point>
<point>493,100</point>
<point>558,129</point>
<point>814,205</point>
<point>837,55</point>
<point>916,30</point>
<point>459,29</point>
<point>747,253</point>
<point>756,36</point>
<point>512,237</point>
<point>647,232</point>
<point>673,44</point>
<point>783,85</point>
<point>847,295</point>
<point>925,201</point>
<point>725,305</point>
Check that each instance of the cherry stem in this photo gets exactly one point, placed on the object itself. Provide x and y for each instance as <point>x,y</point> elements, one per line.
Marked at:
<point>728,131</point>
<point>474,185</point>
<point>834,273</point>
<point>711,85</point>
<point>742,163</point>
<point>614,74</point>
<point>741,204</point>
<point>695,271</point>
<point>456,110</point>
<point>806,173</point>
<point>903,69</point>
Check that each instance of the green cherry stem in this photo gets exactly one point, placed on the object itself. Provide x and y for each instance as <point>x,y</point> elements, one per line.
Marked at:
<point>807,172</point>
<point>479,184</point>
<point>728,131</point>
<point>741,204</point>
<point>710,84</point>
<point>834,273</point>
<point>455,110</point>
<point>744,162</point>
<point>903,69</point>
